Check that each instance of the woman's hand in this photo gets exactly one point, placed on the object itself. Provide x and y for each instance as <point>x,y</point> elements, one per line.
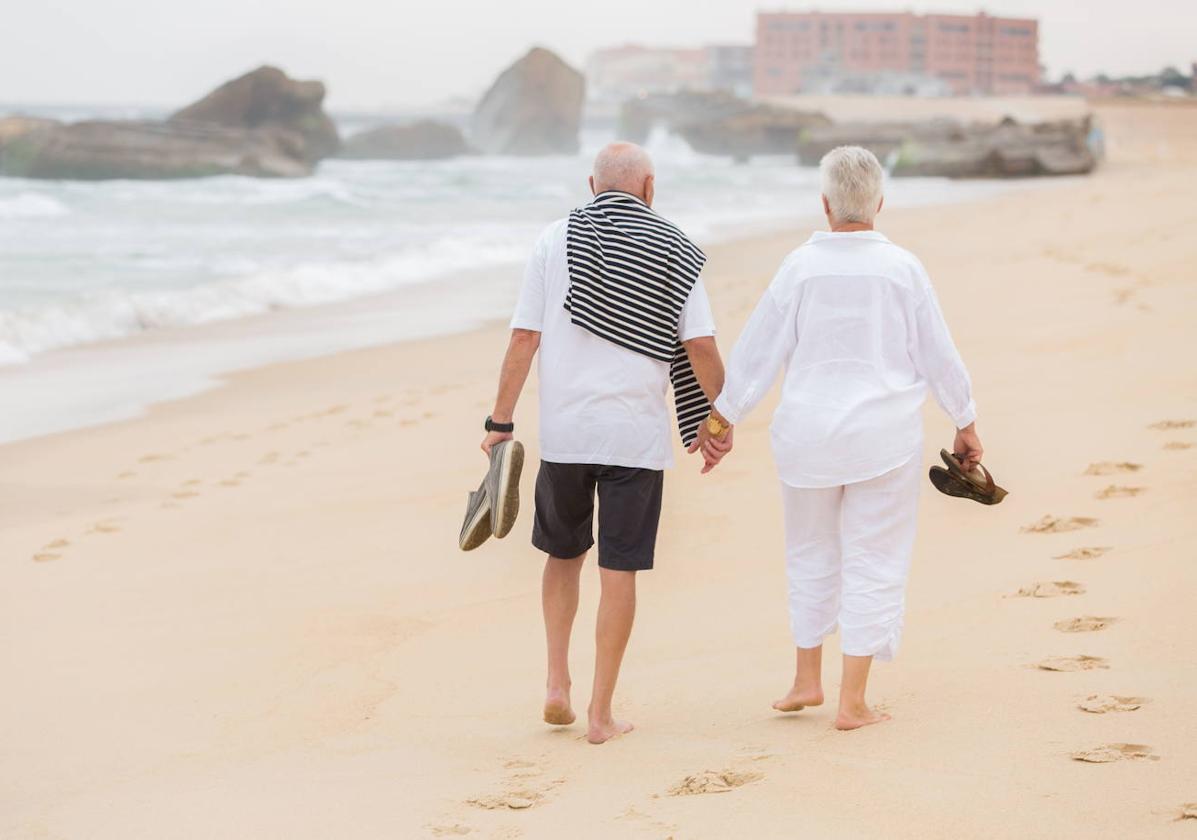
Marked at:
<point>967,446</point>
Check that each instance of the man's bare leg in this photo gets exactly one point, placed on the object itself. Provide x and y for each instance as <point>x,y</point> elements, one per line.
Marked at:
<point>808,682</point>
<point>617,609</point>
<point>559,599</point>
<point>854,711</point>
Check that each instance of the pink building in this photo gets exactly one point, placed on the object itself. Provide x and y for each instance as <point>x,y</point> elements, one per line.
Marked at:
<point>959,54</point>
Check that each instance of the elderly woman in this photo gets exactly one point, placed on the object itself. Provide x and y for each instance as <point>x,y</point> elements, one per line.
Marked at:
<point>853,320</point>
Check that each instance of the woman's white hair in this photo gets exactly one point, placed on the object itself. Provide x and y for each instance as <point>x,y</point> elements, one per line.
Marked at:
<point>852,180</point>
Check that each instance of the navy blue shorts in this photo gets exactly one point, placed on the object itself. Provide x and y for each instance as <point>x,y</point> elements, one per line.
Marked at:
<point>629,511</point>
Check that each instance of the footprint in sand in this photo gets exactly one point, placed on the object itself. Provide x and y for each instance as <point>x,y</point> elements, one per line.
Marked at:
<point>1084,624</point>
<point>1112,468</point>
<point>1072,663</point>
<point>152,457</point>
<point>1168,425</point>
<point>104,528</point>
<point>1111,269</point>
<point>521,791</point>
<point>713,781</point>
<point>46,557</point>
<point>454,830</point>
<point>1175,445</point>
<point>1050,589</point>
<point>1115,752</point>
<point>126,474</point>
<point>184,494</point>
<point>1116,491</point>
<point>380,412</point>
<point>230,482</point>
<point>269,458</point>
<point>1059,524</point>
<point>1188,811</point>
<point>1088,552</point>
<point>1100,704</point>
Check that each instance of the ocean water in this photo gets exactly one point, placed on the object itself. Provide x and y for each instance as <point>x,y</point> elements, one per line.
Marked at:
<point>85,263</point>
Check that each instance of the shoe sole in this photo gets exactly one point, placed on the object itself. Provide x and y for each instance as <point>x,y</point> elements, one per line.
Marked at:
<point>477,530</point>
<point>506,504</point>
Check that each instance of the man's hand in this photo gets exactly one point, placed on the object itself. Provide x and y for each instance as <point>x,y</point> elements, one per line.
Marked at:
<point>713,448</point>
<point>967,446</point>
<point>495,437</point>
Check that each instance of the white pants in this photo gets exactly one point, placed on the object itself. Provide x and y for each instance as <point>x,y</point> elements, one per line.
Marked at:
<point>847,557</point>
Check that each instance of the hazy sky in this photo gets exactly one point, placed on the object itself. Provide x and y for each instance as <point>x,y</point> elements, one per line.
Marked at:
<point>384,53</point>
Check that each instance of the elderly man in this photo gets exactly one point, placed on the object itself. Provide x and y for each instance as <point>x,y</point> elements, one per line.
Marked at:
<point>613,300</point>
<point>854,322</point>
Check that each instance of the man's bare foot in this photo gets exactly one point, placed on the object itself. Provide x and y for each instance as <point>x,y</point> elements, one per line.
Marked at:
<point>557,709</point>
<point>602,731</point>
<point>799,698</point>
<point>855,717</point>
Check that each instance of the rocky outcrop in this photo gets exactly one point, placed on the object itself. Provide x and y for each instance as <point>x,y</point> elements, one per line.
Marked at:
<point>98,150</point>
<point>267,98</point>
<point>944,148</point>
<point>423,140</point>
<point>718,123</point>
<point>262,124</point>
<point>534,107</point>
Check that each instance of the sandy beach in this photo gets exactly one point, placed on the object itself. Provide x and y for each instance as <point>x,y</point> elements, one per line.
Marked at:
<point>245,616</point>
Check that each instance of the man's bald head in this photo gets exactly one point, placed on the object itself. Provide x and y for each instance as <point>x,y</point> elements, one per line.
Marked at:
<point>625,167</point>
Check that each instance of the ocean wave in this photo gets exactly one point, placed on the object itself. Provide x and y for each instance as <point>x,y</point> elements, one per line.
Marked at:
<point>29,205</point>
<point>28,331</point>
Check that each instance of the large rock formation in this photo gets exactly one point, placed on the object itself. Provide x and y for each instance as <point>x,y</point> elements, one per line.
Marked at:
<point>99,150</point>
<point>945,148</point>
<point>423,140</point>
<point>533,108</point>
<point>718,123</point>
<point>267,98</point>
<point>262,124</point>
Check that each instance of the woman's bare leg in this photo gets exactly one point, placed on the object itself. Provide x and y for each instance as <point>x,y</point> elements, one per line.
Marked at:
<point>808,681</point>
<point>854,712</point>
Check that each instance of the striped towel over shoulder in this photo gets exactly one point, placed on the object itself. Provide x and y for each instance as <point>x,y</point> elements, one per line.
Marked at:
<point>630,274</point>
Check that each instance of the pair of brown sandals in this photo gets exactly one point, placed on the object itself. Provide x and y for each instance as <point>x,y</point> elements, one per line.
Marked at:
<point>976,484</point>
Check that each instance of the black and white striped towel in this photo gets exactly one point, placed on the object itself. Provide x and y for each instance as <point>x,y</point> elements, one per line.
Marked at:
<point>630,273</point>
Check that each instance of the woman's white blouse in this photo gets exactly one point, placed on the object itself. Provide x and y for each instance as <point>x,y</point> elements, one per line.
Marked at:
<point>854,321</point>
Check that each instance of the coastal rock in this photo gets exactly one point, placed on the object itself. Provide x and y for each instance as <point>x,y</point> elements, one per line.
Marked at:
<point>945,148</point>
<point>423,140</point>
<point>533,108</point>
<point>719,123</point>
<point>97,150</point>
<point>262,124</point>
<point>267,98</point>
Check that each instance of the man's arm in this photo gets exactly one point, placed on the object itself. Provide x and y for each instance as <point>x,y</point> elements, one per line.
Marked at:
<point>707,364</point>
<point>514,373</point>
<point>708,370</point>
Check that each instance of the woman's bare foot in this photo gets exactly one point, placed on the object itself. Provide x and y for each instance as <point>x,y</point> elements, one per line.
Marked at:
<point>799,698</point>
<point>601,731</point>
<point>858,715</point>
<point>557,708</point>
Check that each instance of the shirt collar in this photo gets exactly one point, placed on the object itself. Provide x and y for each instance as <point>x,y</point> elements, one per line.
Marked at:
<point>617,197</point>
<point>825,235</point>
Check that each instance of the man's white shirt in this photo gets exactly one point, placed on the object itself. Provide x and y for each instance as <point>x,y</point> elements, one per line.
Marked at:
<point>599,403</point>
<point>854,321</point>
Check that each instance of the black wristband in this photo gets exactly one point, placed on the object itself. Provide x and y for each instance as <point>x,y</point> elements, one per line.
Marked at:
<point>492,426</point>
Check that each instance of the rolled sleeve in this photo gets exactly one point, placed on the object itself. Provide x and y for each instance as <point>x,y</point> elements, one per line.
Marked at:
<point>696,321</point>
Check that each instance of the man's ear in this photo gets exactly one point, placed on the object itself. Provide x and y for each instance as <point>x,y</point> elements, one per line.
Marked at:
<point>591,181</point>
<point>649,189</point>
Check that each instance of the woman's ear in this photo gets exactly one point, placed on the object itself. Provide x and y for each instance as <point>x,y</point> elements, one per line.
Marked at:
<point>826,206</point>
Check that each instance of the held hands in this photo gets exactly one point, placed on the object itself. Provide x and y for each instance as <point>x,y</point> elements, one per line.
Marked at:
<point>713,448</point>
<point>967,446</point>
